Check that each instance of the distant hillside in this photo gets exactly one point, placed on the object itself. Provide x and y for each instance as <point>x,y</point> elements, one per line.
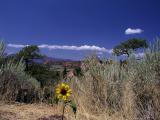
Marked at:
<point>56,59</point>
<point>63,62</point>
<point>53,61</point>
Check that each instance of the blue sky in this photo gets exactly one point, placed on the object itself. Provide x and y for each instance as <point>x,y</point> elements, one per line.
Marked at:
<point>75,28</point>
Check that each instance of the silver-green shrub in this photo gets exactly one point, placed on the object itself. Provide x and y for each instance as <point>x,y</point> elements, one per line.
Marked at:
<point>13,80</point>
<point>131,90</point>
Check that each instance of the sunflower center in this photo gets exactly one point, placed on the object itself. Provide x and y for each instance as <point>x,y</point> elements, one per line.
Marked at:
<point>63,91</point>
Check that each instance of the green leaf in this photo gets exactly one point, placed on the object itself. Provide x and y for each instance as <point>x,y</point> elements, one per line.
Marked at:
<point>74,107</point>
<point>56,100</point>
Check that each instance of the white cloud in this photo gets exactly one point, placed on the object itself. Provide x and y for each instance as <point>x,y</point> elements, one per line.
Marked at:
<point>137,55</point>
<point>16,45</point>
<point>100,53</point>
<point>67,47</point>
<point>129,31</point>
<point>110,51</point>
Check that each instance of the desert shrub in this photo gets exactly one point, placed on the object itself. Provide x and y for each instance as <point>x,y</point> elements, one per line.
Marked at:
<point>114,92</point>
<point>15,84</point>
<point>43,74</point>
<point>77,71</point>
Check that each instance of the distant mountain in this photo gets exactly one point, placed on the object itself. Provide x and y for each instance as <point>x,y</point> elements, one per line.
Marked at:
<point>57,59</point>
<point>9,55</point>
<point>46,59</point>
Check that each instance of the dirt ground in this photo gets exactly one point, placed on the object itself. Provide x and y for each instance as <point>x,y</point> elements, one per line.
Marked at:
<point>19,111</point>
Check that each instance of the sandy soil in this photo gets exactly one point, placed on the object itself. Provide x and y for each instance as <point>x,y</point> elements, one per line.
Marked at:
<point>17,111</point>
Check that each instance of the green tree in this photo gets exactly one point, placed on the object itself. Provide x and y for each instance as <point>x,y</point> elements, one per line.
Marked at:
<point>64,72</point>
<point>2,49</point>
<point>78,71</point>
<point>131,44</point>
<point>29,53</point>
<point>42,74</point>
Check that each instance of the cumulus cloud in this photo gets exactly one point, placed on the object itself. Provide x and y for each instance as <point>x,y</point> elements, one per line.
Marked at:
<point>100,53</point>
<point>16,45</point>
<point>137,55</point>
<point>67,47</point>
<point>129,31</point>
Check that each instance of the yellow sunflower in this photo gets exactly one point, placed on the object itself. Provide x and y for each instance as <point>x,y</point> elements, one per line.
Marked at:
<point>63,91</point>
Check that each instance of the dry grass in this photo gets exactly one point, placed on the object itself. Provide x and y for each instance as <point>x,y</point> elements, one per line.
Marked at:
<point>17,111</point>
<point>105,92</point>
<point>110,92</point>
<point>20,111</point>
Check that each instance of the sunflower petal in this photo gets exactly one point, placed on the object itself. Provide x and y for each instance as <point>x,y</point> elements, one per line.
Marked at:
<point>64,98</point>
<point>60,91</point>
<point>68,94</point>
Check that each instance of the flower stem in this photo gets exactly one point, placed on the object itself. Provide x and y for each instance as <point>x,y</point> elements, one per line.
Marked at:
<point>64,106</point>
